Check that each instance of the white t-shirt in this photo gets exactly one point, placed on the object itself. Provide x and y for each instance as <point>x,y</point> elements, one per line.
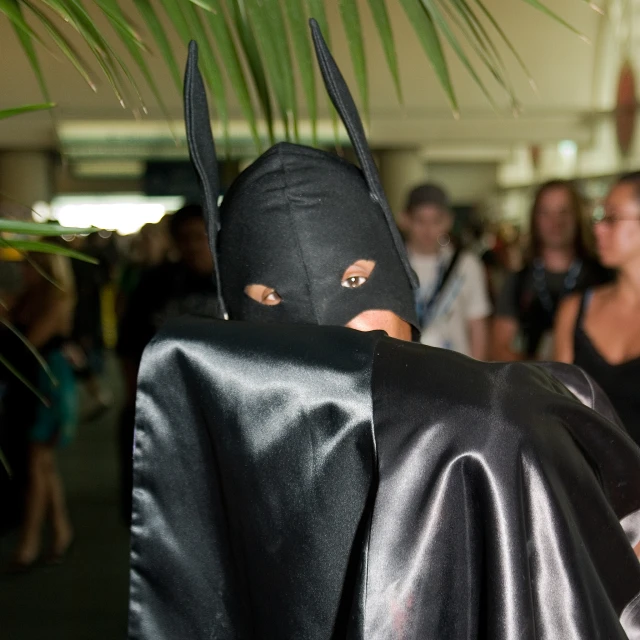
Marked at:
<point>464,297</point>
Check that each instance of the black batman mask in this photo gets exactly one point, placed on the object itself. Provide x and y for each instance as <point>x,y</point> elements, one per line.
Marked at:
<point>297,218</point>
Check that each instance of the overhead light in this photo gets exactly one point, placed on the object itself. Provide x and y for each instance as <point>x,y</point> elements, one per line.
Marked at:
<point>122,213</point>
<point>124,217</point>
<point>41,211</point>
<point>567,149</point>
<point>108,169</point>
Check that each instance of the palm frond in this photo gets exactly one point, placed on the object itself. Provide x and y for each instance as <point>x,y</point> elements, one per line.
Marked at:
<point>250,46</point>
<point>25,108</point>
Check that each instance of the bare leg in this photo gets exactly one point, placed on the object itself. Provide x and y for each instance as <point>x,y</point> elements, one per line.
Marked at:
<point>62,530</point>
<point>36,506</point>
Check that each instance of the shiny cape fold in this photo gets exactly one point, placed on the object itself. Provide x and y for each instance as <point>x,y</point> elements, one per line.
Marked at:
<point>317,482</point>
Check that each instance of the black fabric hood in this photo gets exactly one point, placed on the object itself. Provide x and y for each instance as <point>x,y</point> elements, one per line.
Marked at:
<point>298,217</point>
<point>294,221</point>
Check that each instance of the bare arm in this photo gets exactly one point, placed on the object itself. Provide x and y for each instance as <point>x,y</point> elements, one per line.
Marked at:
<point>564,329</point>
<point>504,331</point>
<point>479,338</point>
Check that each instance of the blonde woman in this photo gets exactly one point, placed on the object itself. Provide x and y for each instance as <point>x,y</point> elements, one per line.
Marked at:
<point>44,313</point>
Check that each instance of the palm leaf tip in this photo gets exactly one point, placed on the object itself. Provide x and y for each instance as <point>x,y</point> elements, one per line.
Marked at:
<point>383,25</point>
<point>353,29</point>
<point>27,108</point>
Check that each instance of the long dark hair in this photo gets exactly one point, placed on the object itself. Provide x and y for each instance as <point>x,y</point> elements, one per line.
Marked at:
<point>583,243</point>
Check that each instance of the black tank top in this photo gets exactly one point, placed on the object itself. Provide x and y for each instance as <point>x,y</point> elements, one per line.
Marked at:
<point>621,382</point>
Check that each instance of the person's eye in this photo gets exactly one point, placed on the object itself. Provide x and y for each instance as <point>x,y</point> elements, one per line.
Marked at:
<point>263,294</point>
<point>357,274</point>
<point>271,297</point>
<point>354,282</point>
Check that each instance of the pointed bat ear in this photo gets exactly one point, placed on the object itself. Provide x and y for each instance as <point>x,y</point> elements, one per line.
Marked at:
<point>202,150</point>
<point>344,104</point>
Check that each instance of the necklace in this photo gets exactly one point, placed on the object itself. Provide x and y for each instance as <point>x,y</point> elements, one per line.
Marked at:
<point>542,289</point>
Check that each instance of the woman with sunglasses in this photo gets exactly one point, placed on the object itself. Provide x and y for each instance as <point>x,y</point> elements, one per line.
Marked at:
<point>600,329</point>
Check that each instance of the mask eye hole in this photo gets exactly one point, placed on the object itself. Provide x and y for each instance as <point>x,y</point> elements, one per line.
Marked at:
<point>357,274</point>
<point>354,282</point>
<point>267,296</point>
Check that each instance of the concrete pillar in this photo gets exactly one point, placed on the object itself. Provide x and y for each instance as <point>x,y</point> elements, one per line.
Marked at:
<point>26,177</point>
<point>400,170</point>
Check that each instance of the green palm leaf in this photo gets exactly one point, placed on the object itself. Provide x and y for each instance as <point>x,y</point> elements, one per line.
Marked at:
<point>63,44</point>
<point>113,12</point>
<point>439,21</point>
<point>317,11</point>
<point>26,108</point>
<point>24,381</point>
<point>381,18</point>
<point>34,352</point>
<point>505,39</point>
<point>12,9</point>
<point>231,62</point>
<point>278,25</point>
<point>251,45</point>
<point>189,25</point>
<point>19,227</point>
<point>254,61</point>
<point>353,29</point>
<point>297,17</point>
<point>47,247</point>
<point>260,16</point>
<point>154,25</point>
<point>116,18</point>
<point>430,41</point>
<point>114,61</point>
<point>555,17</point>
<point>72,16</point>
<point>477,31</point>
<point>465,23</point>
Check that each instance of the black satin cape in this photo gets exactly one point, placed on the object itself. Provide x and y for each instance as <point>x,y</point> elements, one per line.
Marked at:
<point>307,482</point>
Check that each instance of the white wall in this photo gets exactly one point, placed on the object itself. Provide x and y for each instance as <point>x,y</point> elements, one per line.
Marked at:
<point>466,182</point>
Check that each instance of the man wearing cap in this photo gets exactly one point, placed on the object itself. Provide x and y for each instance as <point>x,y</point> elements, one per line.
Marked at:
<point>452,299</point>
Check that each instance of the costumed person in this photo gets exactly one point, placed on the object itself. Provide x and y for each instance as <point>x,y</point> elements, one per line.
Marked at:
<point>165,291</point>
<point>297,481</point>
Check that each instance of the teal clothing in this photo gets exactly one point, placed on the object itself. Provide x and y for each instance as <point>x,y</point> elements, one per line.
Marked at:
<point>56,424</point>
